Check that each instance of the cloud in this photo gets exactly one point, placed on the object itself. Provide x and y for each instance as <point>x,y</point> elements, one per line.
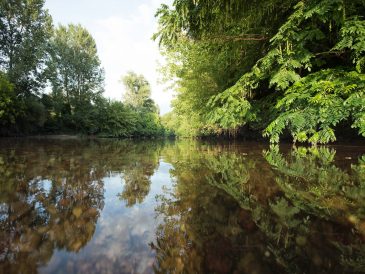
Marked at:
<point>124,44</point>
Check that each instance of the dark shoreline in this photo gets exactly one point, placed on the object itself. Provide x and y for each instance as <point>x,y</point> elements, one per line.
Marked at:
<point>360,142</point>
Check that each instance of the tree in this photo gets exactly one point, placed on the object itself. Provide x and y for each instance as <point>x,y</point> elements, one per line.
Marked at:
<point>25,27</point>
<point>74,72</point>
<point>289,66</point>
<point>209,45</point>
<point>120,120</point>
<point>138,89</point>
<point>8,107</point>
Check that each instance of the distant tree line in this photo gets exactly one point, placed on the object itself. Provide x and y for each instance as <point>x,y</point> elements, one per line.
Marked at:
<point>51,81</point>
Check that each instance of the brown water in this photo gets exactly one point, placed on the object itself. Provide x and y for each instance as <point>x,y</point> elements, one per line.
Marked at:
<point>106,206</point>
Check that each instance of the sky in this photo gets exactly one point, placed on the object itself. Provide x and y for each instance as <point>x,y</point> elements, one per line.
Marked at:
<point>122,30</point>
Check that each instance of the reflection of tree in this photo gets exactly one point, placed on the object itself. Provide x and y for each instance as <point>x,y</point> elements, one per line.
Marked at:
<point>50,198</point>
<point>229,211</point>
<point>142,163</point>
<point>52,192</point>
<point>204,230</point>
<point>313,183</point>
<point>290,228</point>
<point>331,198</point>
<point>136,188</point>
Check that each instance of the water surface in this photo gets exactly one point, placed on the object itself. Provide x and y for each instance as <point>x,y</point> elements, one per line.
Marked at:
<point>108,206</point>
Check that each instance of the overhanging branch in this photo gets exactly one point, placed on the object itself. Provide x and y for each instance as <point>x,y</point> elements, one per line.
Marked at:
<point>235,38</point>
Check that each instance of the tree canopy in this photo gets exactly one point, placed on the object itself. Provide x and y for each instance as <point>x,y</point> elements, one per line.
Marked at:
<point>51,81</point>
<point>138,89</point>
<point>276,67</point>
<point>25,27</point>
<point>279,69</point>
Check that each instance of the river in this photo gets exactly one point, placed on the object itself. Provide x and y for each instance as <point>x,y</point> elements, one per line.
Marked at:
<point>123,206</point>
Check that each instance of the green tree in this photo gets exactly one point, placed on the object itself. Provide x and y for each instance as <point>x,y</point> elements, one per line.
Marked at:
<point>138,99</point>
<point>138,90</point>
<point>208,46</point>
<point>25,27</point>
<point>75,73</point>
<point>118,121</point>
<point>9,107</point>
<point>283,66</point>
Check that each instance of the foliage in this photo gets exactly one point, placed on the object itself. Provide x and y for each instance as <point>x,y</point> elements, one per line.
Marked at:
<point>74,72</point>
<point>51,81</point>
<point>298,66</point>
<point>353,38</point>
<point>117,121</point>
<point>313,106</point>
<point>25,28</point>
<point>138,90</point>
<point>8,108</point>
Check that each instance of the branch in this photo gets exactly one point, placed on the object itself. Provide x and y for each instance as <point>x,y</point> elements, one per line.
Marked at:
<point>245,37</point>
<point>330,53</point>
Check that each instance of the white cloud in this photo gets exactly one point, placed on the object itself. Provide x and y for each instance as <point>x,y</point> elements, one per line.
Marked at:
<point>124,44</point>
<point>122,30</point>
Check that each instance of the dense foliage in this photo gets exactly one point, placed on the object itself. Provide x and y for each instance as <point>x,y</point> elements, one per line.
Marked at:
<point>51,80</point>
<point>282,68</point>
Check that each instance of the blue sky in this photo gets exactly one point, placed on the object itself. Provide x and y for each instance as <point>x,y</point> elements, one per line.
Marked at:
<point>122,30</point>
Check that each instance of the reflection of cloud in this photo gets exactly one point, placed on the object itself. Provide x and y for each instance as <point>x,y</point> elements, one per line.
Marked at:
<point>162,177</point>
<point>122,235</point>
<point>121,240</point>
<point>124,44</point>
<point>121,230</point>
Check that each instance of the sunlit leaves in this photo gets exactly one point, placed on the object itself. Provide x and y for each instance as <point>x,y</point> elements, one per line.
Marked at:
<point>25,29</point>
<point>228,111</point>
<point>312,108</point>
<point>74,67</point>
<point>8,108</point>
<point>305,67</point>
<point>353,38</point>
<point>138,90</point>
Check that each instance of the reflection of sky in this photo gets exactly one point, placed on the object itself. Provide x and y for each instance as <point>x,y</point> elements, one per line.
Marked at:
<point>122,234</point>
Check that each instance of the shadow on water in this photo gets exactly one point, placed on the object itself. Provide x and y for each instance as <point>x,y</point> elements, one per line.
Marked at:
<point>106,206</point>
